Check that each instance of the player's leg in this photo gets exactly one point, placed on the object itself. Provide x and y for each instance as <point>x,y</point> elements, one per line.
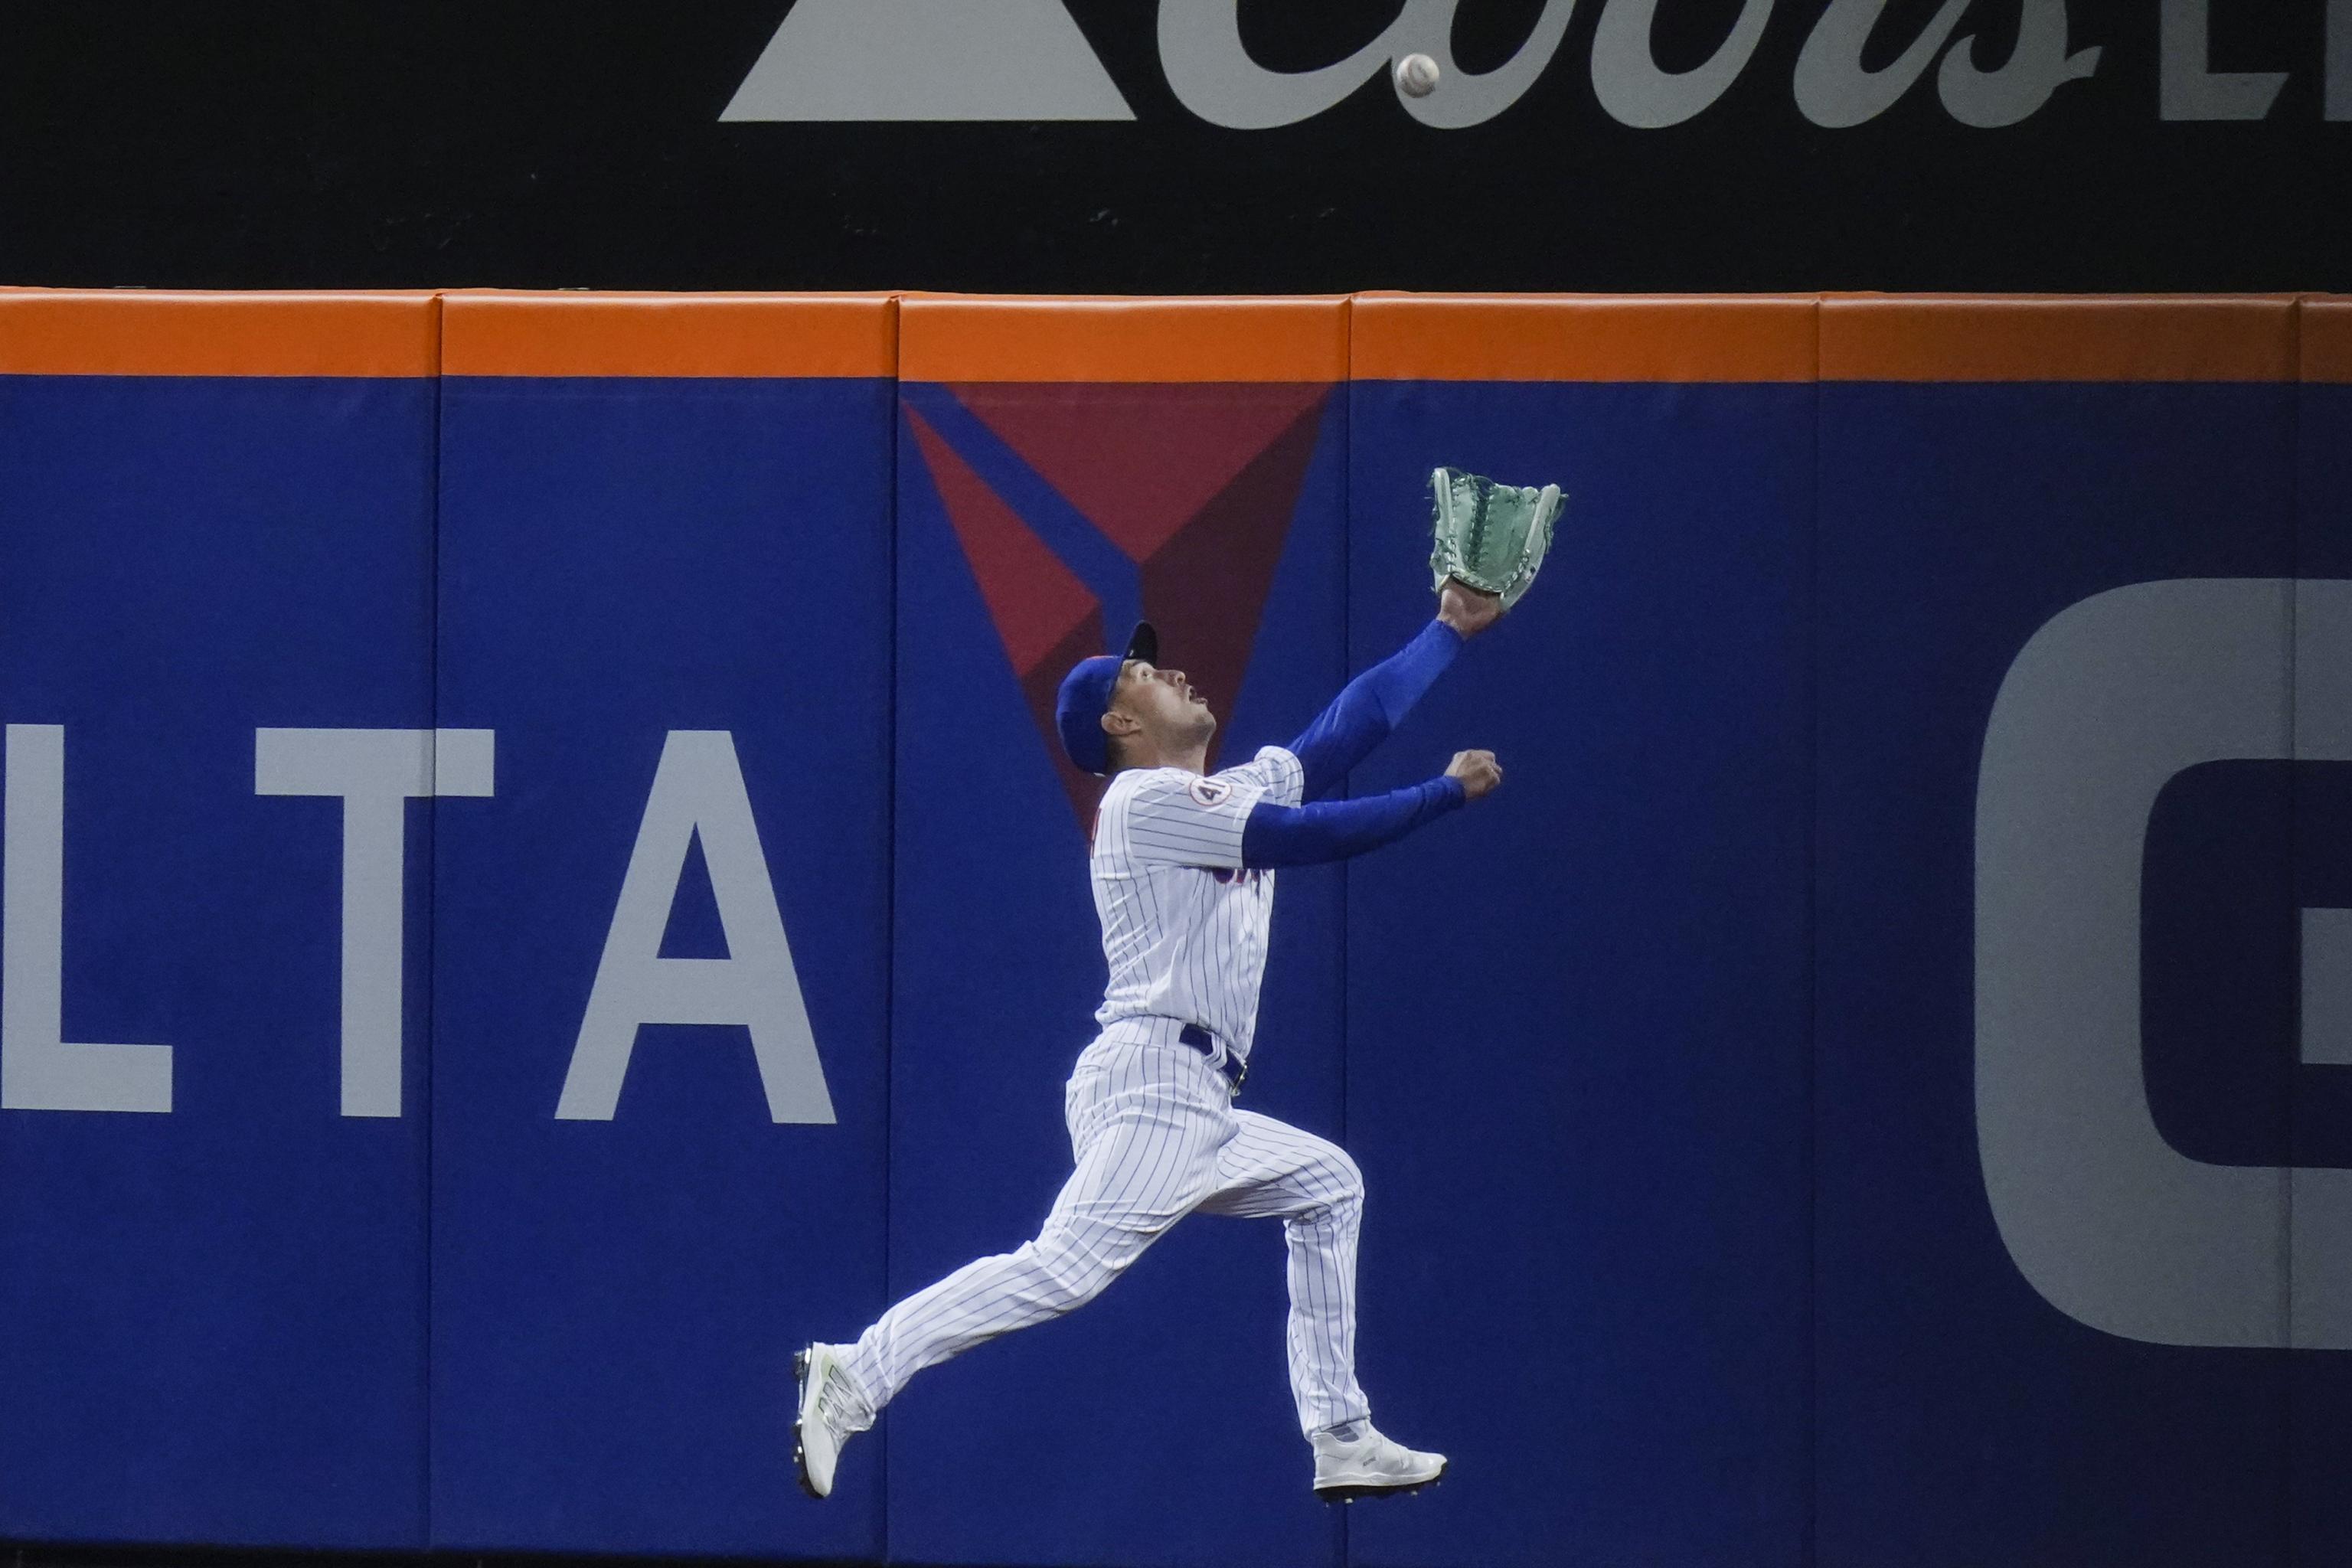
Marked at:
<point>1272,1170</point>
<point>1145,1127</point>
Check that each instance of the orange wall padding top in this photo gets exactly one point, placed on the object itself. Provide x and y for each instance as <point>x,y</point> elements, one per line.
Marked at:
<point>971,338</point>
<point>1469,337</point>
<point>1960,338</point>
<point>488,332</point>
<point>2326,340</point>
<point>131,332</point>
<point>1007,338</point>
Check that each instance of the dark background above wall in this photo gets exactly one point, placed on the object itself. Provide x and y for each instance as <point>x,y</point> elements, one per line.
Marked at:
<point>276,143</point>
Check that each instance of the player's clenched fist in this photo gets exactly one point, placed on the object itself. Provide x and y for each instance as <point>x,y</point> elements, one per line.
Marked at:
<point>1478,772</point>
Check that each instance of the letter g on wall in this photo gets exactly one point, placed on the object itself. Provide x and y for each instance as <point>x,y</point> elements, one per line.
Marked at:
<point>2107,702</point>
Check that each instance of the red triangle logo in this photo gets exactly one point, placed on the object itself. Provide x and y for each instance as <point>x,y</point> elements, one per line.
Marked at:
<point>1195,483</point>
<point>1140,461</point>
<point>1046,617</point>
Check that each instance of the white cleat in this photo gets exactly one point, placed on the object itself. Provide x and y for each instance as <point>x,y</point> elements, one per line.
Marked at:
<point>832,1412</point>
<point>1371,1466</point>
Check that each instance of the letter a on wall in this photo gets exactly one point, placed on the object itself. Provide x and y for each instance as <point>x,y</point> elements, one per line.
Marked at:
<point>697,791</point>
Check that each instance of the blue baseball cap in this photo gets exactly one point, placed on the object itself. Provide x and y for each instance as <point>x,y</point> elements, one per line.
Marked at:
<point>1085,697</point>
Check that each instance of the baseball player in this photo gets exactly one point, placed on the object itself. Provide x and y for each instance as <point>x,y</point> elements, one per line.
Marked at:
<point>1183,871</point>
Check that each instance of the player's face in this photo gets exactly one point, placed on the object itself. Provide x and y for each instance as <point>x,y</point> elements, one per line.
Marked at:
<point>1163,701</point>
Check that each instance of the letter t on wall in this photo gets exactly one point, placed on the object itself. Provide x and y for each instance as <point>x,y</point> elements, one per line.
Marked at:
<point>376,772</point>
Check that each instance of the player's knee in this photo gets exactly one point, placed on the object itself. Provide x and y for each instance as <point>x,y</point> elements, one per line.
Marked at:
<point>1345,1180</point>
<point>1069,1288</point>
<point>1071,1279</point>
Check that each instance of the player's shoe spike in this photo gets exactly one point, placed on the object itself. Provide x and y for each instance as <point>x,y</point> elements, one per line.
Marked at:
<point>832,1412</point>
<point>1372,1466</point>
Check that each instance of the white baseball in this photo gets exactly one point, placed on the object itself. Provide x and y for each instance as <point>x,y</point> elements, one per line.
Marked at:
<point>1416,76</point>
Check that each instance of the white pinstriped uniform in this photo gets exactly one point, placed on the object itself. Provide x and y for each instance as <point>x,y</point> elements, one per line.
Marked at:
<point>1183,944</point>
<point>1153,1130</point>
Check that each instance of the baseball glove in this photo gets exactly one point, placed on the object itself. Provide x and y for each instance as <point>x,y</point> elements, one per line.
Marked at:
<point>1491,536</point>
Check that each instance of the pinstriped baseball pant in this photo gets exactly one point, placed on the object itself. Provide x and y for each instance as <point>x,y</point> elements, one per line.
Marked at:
<point>1155,1137</point>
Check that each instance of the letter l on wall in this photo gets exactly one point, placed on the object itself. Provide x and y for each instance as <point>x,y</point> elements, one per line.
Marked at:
<point>39,1068</point>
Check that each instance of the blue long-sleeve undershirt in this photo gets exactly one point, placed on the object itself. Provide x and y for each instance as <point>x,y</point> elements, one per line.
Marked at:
<point>1335,829</point>
<point>1359,719</point>
<point>1373,704</point>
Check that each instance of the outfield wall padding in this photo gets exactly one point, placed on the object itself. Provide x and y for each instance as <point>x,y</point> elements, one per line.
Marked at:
<point>1047,499</point>
<point>673,527</point>
<point>550,801</point>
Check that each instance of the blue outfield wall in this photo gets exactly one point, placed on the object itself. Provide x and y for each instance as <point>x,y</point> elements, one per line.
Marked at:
<point>671,599</point>
<point>561,833</point>
<point>1576,1017</point>
<point>212,1307</point>
<point>1961,1419</point>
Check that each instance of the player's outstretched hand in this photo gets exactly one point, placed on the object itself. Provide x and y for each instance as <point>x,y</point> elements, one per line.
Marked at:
<point>1478,772</point>
<point>1465,609</point>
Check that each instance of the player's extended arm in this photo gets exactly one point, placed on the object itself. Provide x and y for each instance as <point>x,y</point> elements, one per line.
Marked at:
<point>1376,701</point>
<point>1371,706</point>
<point>1337,829</point>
